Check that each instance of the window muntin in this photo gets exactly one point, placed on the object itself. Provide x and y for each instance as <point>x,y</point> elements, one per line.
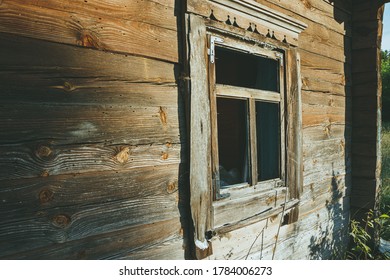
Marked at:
<point>254,78</point>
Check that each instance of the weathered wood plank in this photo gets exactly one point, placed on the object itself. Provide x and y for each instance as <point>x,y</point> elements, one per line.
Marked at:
<point>325,131</point>
<point>329,70</point>
<point>94,31</point>
<point>324,149</point>
<point>155,12</point>
<point>315,11</point>
<point>314,115</point>
<point>324,193</point>
<point>323,233</point>
<point>69,223</point>
<point>26,56</point>
<point>320,169</point>
<point>316,84</point>
<point>200,143</point>
<point>225,210</point>
<point>170,249</point>
<point>41,88</point>
<point>88,124</point>
<point>112,245</point>
<point>315,98</point>
<point>294,125</point>
<point>34,159</point>
<point>250,238</point>
<point>27,197</point>
<point>320,39</point>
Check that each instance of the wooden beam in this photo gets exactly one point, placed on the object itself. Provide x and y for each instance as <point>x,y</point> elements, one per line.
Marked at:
<point>200,159</point>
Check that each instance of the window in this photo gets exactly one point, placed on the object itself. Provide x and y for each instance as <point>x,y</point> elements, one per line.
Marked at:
<point>245,116</point>
<point>247,90</point>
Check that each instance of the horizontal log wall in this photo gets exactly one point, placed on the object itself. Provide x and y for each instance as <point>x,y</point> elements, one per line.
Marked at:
<point>92,130</point>
<point>92,138</point>
<point>367,95</point>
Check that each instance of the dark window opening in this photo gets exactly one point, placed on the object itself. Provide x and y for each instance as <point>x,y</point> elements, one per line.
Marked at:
<point>233,141</point>
<point>268,140</point>
<point>246,70</point>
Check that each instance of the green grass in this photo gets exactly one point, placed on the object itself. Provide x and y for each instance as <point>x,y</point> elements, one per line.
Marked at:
<point>385,189</point>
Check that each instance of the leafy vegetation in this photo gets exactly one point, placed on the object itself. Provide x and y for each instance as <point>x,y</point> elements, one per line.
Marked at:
<point>385,72</point>
<point>365,237</point>
<point>384,195</point>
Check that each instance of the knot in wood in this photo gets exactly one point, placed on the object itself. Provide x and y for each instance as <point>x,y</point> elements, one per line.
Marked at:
<point>164,156</point>
<point>89,40</point>
<point>163,116</point>
<point>44,173</point>
<point>172,187</point>
<point>307,4</point>
<point>61,221</point>
<point>123,156</point>
<point>43,151</point>
<point>46,195</point>
<point>68,86</point>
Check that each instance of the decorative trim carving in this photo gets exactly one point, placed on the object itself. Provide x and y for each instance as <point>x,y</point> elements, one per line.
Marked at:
<point>250,15</point>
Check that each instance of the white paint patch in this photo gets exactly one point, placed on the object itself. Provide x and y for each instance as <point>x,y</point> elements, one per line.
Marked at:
<point>201,245</point>
<point>84,129</point>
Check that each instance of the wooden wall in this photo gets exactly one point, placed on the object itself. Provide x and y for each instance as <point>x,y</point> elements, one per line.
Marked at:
<point>93,140</point>
<point>367,94</point>
<point>92,130</point>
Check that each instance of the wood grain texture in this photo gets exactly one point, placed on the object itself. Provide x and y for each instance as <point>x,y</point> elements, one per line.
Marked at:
<point>294,115</point>
<point>89,124</point>
<point>59,211</point>
<point>68,83</point>
<point>315,11</point>
<point>200,158</point>
<point>31,195</point>
<point>78,23</point>
<point>327,69</point>
<point>127,243</point>
<point>225,210</point>
<point>34,159</point>
<point>56,61</point>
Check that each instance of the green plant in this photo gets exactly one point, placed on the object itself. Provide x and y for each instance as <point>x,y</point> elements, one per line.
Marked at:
<point>384,193</point>
<point>365,236</point>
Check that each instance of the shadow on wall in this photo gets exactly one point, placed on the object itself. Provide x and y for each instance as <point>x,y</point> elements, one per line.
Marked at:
<point>332,239</point>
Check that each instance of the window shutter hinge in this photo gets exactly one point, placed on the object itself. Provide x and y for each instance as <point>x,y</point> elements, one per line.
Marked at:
<point>211,50</point>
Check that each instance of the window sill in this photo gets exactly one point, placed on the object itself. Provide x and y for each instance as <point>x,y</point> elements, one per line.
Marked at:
<point>244,189</point>
<point>264,213</point>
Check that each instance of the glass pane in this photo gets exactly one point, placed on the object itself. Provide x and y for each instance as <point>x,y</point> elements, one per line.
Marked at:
<point>268,140</point>
<point>232,141</point>
<point>246,70</point>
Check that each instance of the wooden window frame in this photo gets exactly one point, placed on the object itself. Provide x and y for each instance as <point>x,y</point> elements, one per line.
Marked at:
<point>251,95</point>
<point>262,200</point>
